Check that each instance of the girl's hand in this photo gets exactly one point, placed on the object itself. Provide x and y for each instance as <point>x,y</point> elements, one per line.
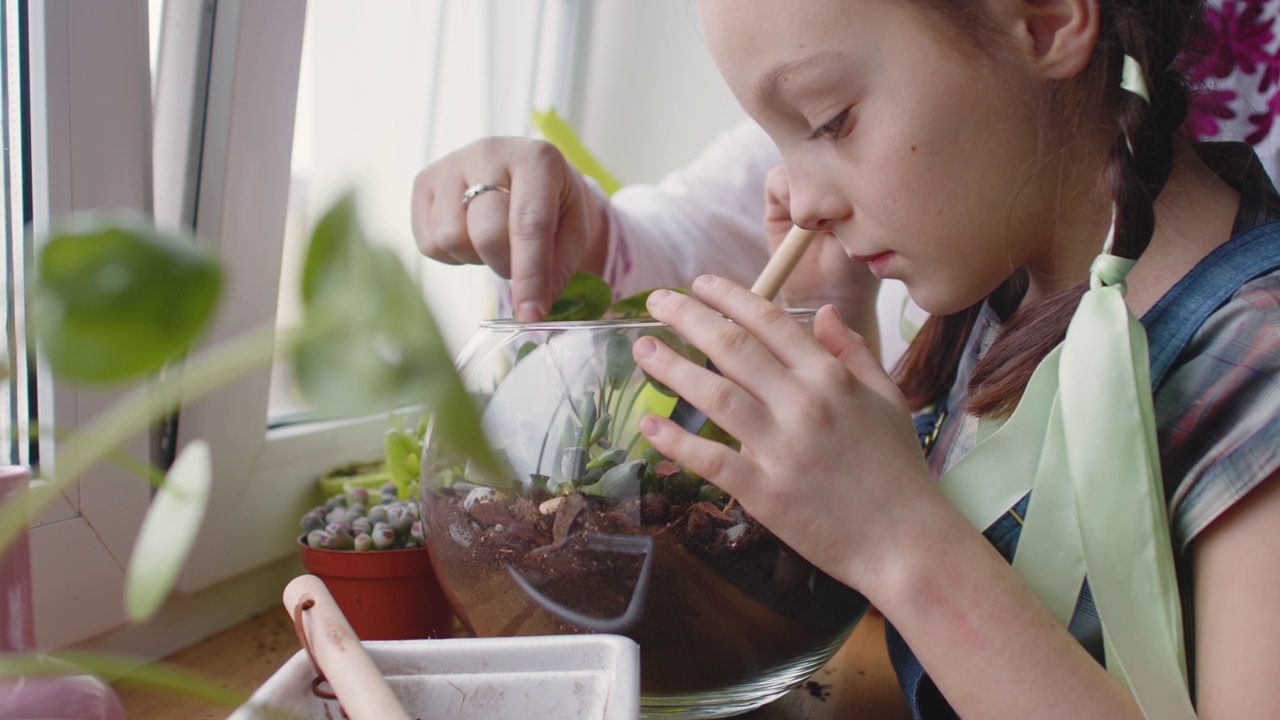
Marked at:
<point>829,460</point>
<point>825,274</point>
<point>550,224</point>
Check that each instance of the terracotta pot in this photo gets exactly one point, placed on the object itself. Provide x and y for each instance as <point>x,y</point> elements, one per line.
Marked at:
<point>385,594</point>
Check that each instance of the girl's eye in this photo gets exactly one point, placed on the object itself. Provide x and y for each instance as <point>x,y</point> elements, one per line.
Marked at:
<point>833,128</point>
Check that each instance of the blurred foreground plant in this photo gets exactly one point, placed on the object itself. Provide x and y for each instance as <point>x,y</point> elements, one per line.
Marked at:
<point>116,302</point>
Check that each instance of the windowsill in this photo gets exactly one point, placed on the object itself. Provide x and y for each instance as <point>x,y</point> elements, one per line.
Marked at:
<point>858,682</point>
<point>243,657</point>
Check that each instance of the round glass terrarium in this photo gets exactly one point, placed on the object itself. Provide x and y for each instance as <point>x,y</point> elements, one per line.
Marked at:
<point>593,532</point>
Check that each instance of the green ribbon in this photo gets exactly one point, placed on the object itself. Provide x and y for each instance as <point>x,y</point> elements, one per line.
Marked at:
<point>1083,440</point>
<point>1133,79</point>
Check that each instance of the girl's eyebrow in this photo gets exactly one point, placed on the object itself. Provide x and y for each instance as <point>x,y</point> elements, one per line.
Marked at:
<point>767,87</point>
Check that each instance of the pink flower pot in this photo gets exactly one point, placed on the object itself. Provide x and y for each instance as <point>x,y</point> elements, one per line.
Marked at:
<point>68,693</point>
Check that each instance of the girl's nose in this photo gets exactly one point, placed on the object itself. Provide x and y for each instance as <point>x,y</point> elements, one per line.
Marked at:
<point>816,204</point>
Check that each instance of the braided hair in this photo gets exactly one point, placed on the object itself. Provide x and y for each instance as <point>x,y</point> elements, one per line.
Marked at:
<point>1140,160</point>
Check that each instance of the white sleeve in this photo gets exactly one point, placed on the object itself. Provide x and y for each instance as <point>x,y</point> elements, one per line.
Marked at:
<point>705,217</point>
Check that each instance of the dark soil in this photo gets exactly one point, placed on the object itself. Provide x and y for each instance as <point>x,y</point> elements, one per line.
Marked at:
<point>713,598</point>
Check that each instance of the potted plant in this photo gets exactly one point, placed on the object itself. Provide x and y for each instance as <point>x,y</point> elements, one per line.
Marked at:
<point>369,549</point>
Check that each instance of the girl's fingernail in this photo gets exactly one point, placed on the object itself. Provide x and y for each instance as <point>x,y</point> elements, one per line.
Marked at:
<point>702,282</point>
<point>659,296</point>
<point>530,311</point>
<point>648,426</point>
<point>645,347</point>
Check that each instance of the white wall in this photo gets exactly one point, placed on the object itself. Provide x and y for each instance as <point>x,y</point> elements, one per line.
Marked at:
<point>653,98</point>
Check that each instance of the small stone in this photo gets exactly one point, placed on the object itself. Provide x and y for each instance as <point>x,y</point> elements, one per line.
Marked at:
<point>479,494</point>
<point>490,513</point>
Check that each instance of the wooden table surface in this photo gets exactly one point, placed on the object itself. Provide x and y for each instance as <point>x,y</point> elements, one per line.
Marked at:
<point>857,683</point>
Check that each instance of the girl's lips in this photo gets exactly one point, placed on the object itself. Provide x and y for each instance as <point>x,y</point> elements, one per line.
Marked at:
<point>877,263</point>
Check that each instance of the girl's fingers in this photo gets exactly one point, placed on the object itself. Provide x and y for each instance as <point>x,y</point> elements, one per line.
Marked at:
<point>736,354</point>
<point>730,406</point>
<point>775,329</point>
<point>716,462</point>
<point>571,238</point>
<point>441,227</point>
<point>753,342</point>
<point>853,351</point>
<point>544,211</point>
<point>487,230</point>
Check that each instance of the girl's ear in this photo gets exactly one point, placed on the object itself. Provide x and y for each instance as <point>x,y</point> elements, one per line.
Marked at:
<point>1059,34</point>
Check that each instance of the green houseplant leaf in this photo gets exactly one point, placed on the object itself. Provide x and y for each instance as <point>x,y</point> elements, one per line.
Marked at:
<point>116,299</point>
<point>369,341</point>
<point>168,532</point>
<point>633,306</point>
<point>585,297</point>
<point>115,667</point>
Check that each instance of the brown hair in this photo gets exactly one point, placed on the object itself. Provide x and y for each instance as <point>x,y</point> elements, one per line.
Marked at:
<point>1153,32</point>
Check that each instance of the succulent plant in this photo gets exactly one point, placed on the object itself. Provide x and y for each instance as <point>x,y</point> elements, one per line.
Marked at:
<point>352,521</point>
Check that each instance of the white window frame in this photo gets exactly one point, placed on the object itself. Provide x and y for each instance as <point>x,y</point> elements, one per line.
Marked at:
<point>90,102</point>
<point>263,478</point>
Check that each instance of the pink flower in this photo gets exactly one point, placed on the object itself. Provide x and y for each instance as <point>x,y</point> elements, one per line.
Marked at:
<point>1207,108</point>
<point>1235,44</point>
<point>1264,121</point>
<point>1235,38</point>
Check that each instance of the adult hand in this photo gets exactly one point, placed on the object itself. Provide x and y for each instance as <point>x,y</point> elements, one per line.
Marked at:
<point>829,458</point>
<point>826,273</point>
<point>548,226</point>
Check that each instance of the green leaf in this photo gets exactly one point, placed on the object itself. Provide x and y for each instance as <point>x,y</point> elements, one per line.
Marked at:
<point>115,668</point>
<point>585,297</point>
<point>370,342</point>
<point>561,134</point>
<point>619,482</point>
<point>398,446</point>
<point>633,306</point>
<point>168,532</point>
<point>619,363</point>
<point>115,299</point>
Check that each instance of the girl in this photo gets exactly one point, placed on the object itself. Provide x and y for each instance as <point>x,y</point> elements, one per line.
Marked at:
<point>975,151</point>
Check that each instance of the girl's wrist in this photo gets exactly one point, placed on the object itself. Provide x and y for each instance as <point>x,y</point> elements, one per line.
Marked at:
<point>924,541</point>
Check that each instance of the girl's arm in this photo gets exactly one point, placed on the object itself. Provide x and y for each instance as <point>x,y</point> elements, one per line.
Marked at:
<point>1237,608</point>
<point>989,644</point>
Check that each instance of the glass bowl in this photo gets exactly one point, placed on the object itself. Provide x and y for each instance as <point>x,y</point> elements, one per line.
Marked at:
<point>595,533</point>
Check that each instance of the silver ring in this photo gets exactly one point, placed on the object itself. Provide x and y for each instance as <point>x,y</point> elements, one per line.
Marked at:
<point>479,189</point>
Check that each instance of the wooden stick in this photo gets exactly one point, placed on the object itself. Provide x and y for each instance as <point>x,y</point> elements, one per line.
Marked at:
<point>775,273</point>
<point>783,262</point>
<point>335,649</point>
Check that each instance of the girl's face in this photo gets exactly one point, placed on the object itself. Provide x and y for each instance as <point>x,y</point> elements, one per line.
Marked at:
<point>921,158</point>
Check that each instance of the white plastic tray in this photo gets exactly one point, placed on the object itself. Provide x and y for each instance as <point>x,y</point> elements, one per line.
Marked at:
<point>574,677</point>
